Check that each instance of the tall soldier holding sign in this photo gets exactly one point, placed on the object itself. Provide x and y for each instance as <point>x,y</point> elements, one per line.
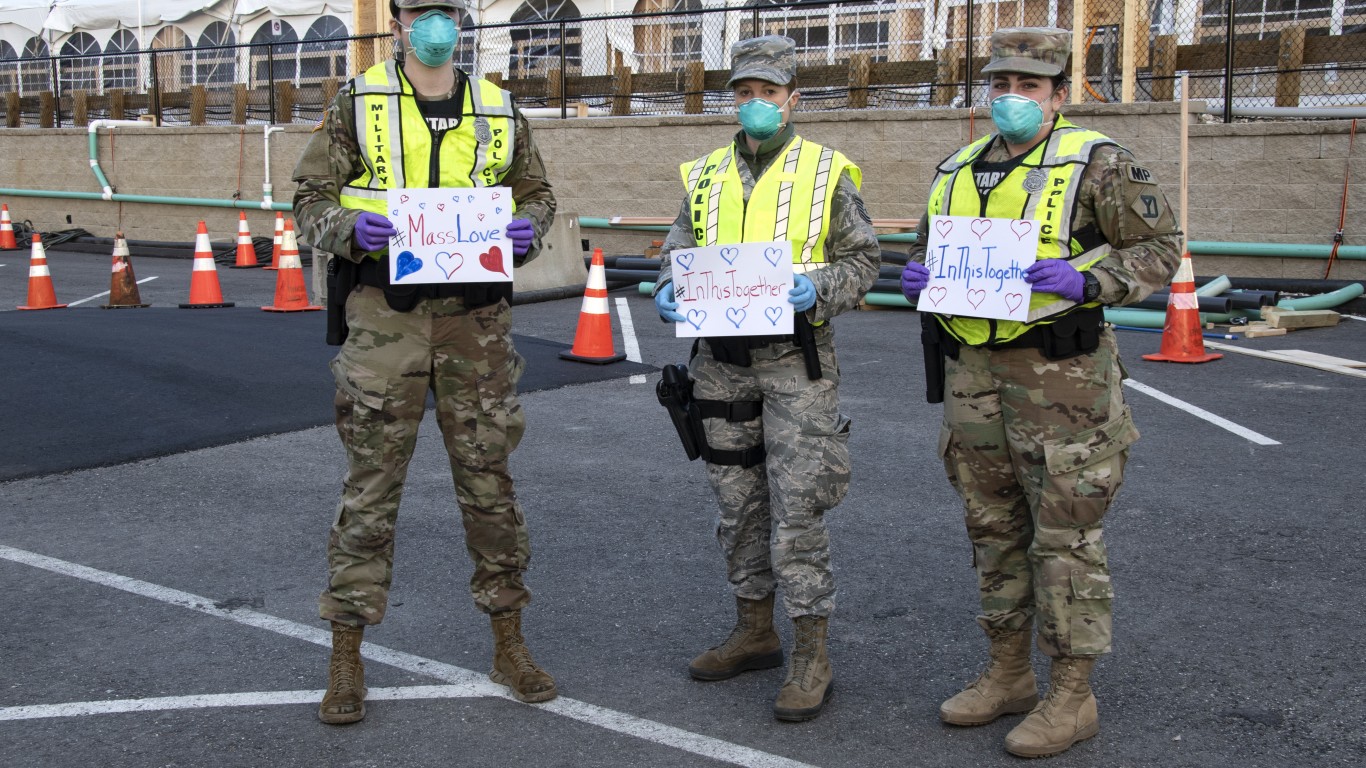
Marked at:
<point>1036,431</point>
<point>776,444</point>
<point>417,121</point>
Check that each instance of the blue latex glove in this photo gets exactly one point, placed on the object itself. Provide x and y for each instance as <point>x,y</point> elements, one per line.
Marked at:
<point>668,308</point>
<point>1056,276</point>
<point>521,232</point>
<point>914,278</point>
<point>373,231</point>
<point>803,293</point>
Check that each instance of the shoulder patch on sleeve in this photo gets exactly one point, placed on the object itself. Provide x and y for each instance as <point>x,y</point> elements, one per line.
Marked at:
<point>1140,175</point>
<point>318,127</point>
<point>862,212</point>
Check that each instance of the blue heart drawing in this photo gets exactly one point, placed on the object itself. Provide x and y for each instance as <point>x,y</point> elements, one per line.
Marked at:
<point>772,255</point>
<point>423,206</point>
<point>735,316</point>
<point>469,198</point>
<point>774,314</point>
<point>498,210</point>
<point>730,254</point>
<point>700,315</point>
<point>407,265</point>
<point>684,260</point>
<point>395,213</point>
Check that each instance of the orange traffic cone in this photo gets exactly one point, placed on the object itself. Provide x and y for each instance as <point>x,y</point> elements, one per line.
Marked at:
<point>1182,339</point>
<point>123,287</point>
<point>291,295</point>
<point>7,241</point>
<point>40,292</point>
<point>593,339</point>
<point>279,241</point>
<point>246,252</point>
<point>205,292</point>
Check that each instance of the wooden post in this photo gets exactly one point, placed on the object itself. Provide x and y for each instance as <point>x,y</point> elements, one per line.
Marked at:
<point>1078,49</point>
<point>621,97</point>
<point>46,109</point>
<point>1128,73</point>
<point>696,83</point>
<point>947,72</point>
<point>1289,59</point>
<point>118,104</point>
<point>329,89</point>
<point>860,67</point>
<point>199,102</point>
<point>1184,193</point>
<point>553,79</point>
<point>1164,67</point>
<point>494,77</point>
<point>239,104</point>
<point>80,108</point>
<point>284,97</point>
<point>12,109</point>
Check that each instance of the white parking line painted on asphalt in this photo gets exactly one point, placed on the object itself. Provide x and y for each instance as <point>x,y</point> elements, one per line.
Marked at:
<point>628,338</point>
<point>106,293</point>
<point>477,684</point>
<point>1218,421</point>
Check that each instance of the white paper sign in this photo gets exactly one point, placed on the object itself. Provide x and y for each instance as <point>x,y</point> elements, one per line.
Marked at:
<point>977,267</point>
<point>450,235</point>
<point>733,290</point>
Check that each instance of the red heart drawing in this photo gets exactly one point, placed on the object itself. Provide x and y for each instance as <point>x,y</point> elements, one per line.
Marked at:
<point>1013,301</point>
<point>980,226</point>
<point>1021,228</point>
<point>496,195</point>
<point>441,206</point>
<point>944,227</point>
<point>403,198</point>
<point>976,296</point>
<point>493,260</point>
<point>481,217</point>
<point>938,293</point>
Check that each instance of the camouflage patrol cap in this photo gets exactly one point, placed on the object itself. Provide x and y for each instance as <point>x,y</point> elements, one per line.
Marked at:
<point>455,5</point>
<point>771,57</point>
<point>1029,50</point>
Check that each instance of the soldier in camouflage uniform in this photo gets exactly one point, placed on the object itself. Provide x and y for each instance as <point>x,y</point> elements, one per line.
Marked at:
<point>1036,431</point>
<point>454,340</point>
<point>783,438</point>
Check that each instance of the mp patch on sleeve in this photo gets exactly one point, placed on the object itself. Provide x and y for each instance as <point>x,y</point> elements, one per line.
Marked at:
<point>1140,175</point>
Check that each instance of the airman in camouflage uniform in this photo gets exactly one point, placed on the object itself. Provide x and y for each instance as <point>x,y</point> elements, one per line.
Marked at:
<point>450,340</point>
<point>1035,443</point>
<point>771,524</point>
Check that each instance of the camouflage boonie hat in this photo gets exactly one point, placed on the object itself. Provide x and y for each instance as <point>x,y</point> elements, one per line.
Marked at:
<point>1029,50</point>
<point>771,57</point>
<point>457,5</point>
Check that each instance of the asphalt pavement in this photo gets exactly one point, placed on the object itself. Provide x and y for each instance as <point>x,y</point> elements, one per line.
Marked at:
<point>163,611</point>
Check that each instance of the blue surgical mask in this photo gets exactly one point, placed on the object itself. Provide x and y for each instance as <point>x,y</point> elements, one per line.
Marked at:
<point>1018,119</point>
<point>432,38</point>
<point>761,118</point>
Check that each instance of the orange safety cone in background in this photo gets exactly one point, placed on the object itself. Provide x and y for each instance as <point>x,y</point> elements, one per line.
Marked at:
<point>205,292</point>
<point>279,241</point>
<point>40,292</point>
<point>123,287</point>
<point>246,252</point>
<point>593,339</point>
<point>291,295</point>
<point>1183,341</point>
<point>7,241</point>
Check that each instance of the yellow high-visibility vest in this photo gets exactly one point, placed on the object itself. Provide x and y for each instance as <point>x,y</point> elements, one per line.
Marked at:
<point>1042,187</point>
<point>790,201</point>
<point>477,153</point>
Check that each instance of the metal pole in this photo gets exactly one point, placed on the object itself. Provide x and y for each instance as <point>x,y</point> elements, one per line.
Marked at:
<point>1228,62</point>
<point>156,90</point>
<point>56,89</point>
<point>270,80</point>
<point>564,105</point>
<point>967,76</point>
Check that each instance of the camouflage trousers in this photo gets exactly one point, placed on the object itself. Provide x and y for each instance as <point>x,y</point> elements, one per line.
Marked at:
<point>771,526</point>
<point>1036,448</point>
<point>383,372</point>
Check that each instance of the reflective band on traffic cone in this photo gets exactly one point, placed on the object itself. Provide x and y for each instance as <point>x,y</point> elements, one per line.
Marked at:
<point>205,292</point>
<point>40,292</point>
<point>279,240</point>
<point>123,287</point>
<point>1182,339</point>
<point>593,339</point>
<point>7,241</point>
<point>246,251</point>
<point>291,295</point>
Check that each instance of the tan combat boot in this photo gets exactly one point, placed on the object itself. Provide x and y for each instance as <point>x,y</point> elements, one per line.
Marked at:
<point>810,681</point>
<point>1005,687</point>
<point>752,644</point>
<point>344,701</point>
<point>1066,716</point>
<point>512,662</point>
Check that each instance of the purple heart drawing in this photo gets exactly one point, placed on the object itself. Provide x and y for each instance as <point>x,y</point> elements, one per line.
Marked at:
<point>696,318</point>
<point>684,260</point>
<point>735,316</point>
<point>449,263</point>
<point>774,314</point>
<point>407,264</point>
<point>771,255</point>
<point>730,254</point>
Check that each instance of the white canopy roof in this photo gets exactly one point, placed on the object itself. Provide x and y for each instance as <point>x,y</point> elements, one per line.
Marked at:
<point>28,14</point>
<point>69,15</point>
<point>283,8</point>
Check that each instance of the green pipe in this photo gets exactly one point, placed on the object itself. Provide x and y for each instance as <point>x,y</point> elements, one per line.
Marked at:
<point>1215,287</point>
<point>1155,318</point>
<point>879,299</point>
<point>118,197</point>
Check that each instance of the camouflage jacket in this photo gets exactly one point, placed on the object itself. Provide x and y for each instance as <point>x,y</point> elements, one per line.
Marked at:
<point>1142,233</point>
<point>851,246</point>
<point>333,158</point>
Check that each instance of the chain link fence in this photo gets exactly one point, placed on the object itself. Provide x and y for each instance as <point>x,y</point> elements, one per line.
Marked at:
<point>672,57</point>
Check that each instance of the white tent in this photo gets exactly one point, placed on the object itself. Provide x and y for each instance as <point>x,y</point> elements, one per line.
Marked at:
<point>26,14</point>
<point>70,15</point>
<point>283,8</point>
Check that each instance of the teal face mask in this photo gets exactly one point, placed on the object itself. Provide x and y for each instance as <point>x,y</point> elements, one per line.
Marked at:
<point>761,118</point>
<point>1017,118</point>
<point>432,38</point>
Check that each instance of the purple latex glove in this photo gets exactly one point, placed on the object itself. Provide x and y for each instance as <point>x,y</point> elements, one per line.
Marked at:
<point>521,233</point>
<point>1056,276</point>
<point>914,278</point>
<point>373,231</point>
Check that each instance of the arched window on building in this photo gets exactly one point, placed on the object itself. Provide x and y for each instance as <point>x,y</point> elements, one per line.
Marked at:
<point>323,53</point>
<point>9,68</point>
<point>214,64</point>
<point>121,61</point>
<point>35,68</point>
<point>80,74</point>
<point>830,34</point>
<point>172,71</point>
<point>538,49</point>
<point>667,43</point>
<point>274,57</point>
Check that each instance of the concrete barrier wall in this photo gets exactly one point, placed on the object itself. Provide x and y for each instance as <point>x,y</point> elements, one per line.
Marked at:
<point>1271,182</point>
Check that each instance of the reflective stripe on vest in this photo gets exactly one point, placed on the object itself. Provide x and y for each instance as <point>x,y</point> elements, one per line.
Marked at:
<point>476,153</point>
<point>1063,158</point>
<point>790,201</point>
